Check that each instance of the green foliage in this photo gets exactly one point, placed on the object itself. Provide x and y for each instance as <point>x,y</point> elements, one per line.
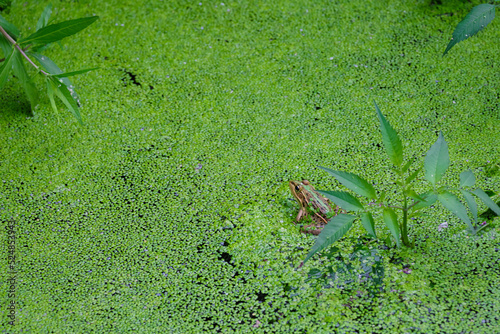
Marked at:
<point>333,231</point>
<point>437,160</point>
<point>16,49</point>
<point>436,163</point>
<point>391,140</point>
<point>477,19</point>
<point>56,32</point>
<point>170,211</point>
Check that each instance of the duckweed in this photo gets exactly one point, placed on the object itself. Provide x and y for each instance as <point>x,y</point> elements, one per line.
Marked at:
<point>169,210</point>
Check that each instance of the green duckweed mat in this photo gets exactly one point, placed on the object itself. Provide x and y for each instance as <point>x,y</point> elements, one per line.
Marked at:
<point>169,210</point>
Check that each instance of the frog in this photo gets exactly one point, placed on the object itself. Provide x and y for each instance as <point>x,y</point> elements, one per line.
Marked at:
<point>311,201</point>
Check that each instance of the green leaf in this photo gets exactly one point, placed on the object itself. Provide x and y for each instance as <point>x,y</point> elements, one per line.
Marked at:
<point>467,179</point>
<point>70,74</point>
<point>53,69</point>
<point>336,228</point>
<point>44,18</point>
<point>5,46</point>
<point>28,84</point>
<point>406,166</point>
<point>471,202</point>
<point>429,199</point>
<point>437,160</point>
<point>452,203</point>
<point>64,95</point>
<point>391,140</point>
<point>353,182</point>
<point>391,221</point>
<point>477,19</point>
<point>50,93</point>
<point>9,27</point>
<point>487,200</point>
<point>343,199</point>
<point>5,68</point>
<point>382,197</point>
<point>412,194</point>
<point>413,175</point>
<point>46,63</point>
<point>58,31</point>
<point>368,223</point>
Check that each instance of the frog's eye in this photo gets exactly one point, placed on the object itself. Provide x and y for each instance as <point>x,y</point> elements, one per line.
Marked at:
<point>297,188</point>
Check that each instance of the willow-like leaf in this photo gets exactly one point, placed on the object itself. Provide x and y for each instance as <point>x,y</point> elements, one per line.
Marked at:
<point>64,95</point>
<point>429,199</point>
<point>53,69</point>
<point>451,202</point>
<point>28,84</point>
<point>487,200</point>
<point>343,199</point>
<point>5,68</point>
<point>336,228</point>
<point>390,138</point>
<point>391,221</point>
<point>9,27</point>
<point>44,18</point>
<point>413,175</point>
<point>58,31</point>
<point>50,93</point>
<point>437,160</point>
<point>353,182</point>
<point>70,74</point>
<point>471,202</point>
<point>368,223</point>
<point>477,19</point>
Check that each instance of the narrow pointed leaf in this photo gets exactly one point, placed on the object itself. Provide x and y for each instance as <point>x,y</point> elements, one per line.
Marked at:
<point>9,27</point>
<point>58,31</point>
<point>477,19</point>
<point>390,138</point>
<point>412,194</point>
<point>5,46</point>
<point>437,160</point>
<point>451,202</point>
<point>406,166</point>
<point>64,95</point>
<point>391,221</point>
<point>28,84</point>
<point>53,69</point>
<point>353,182</point>
<point>382,197</point>
<point>368,223</point>
<point>471,203</point>
<point>70,74</point>
<point>5,68</point>
<point>44,18</point>
<point>47,64</point>
<point>50,93</point>
<point>413,175</point>
<point>336,228</point>
<point>467,179</point>
<point>429,199</point>
<point>487,200</point>
<point>343,199</point>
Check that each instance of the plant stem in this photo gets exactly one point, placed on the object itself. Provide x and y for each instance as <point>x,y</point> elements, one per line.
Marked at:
<point>14,43</point>
<point>10,39</point>
<point>404,227</point>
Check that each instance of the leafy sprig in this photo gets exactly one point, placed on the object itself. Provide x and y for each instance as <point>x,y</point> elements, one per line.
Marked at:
<point>435,165</point>
<point>16,49</point>
<point>477,19</point>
